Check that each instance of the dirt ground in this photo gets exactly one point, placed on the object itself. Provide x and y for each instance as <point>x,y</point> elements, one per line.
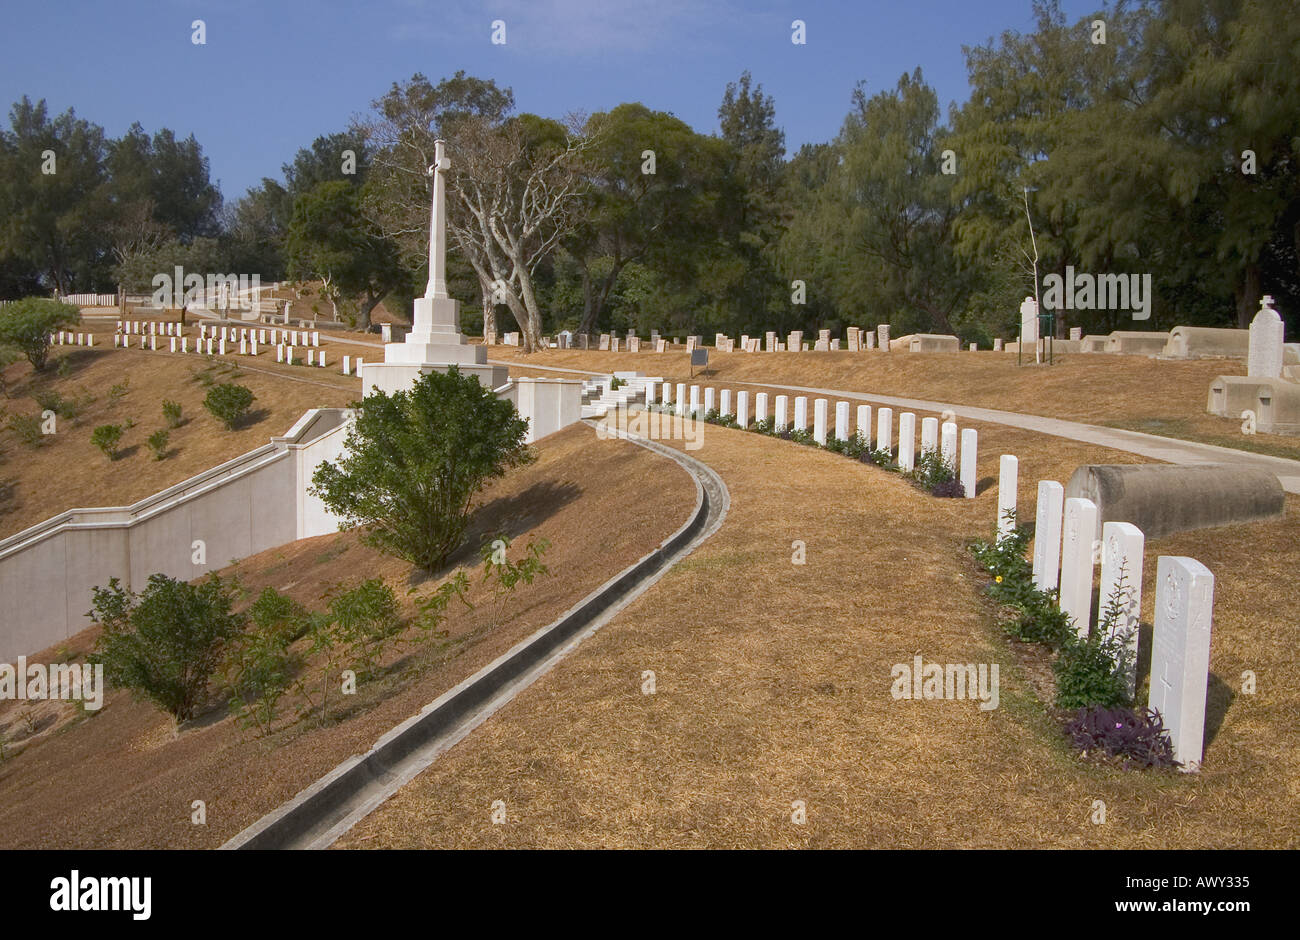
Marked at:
<point>123,778</point>
<point>772,686</point>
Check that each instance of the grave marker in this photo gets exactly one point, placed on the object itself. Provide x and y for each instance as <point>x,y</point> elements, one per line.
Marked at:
<point>1047,534</point>
<point>1122,544</point>
<point>1180,653</point>
<point>907,441</point>
<point>1076,562</point>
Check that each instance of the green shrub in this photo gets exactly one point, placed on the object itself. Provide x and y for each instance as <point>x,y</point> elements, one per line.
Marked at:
<point>157,442</point>
<point>165,643</point>
<point>259,668</point>
<point>117,392</point>
<point>931,470</point>
<point>171,413</point>
<point>229,403</point>
<point>27,324</point>
<point>28,429</point>
<point>1094,670</point>
<point>416,458</point>
<point>1039,619</point>
<point>106,437</point>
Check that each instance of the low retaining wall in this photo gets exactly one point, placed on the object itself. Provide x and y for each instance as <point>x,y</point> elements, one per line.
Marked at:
<point>1136,344</point>
<point>1203,342</point>
<point>242,507</point>
<point>1163,499</point>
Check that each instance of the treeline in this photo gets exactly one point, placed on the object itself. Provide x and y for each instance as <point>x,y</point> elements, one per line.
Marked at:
<point>1156,138</point>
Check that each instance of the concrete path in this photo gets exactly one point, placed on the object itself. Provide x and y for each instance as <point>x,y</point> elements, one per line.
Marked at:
<point>1146,445</point>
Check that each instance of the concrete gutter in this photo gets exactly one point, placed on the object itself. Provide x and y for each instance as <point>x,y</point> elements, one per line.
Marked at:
<point>320,814</point>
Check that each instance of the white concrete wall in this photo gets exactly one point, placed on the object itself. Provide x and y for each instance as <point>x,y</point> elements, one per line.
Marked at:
<point>242,507</point>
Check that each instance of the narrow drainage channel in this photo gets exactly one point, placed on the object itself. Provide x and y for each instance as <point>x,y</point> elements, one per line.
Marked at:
<point>320,814</point>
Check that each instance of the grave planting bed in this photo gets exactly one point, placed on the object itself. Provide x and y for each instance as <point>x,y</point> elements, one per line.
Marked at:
<point>773,686</point>
<point>122,778</point>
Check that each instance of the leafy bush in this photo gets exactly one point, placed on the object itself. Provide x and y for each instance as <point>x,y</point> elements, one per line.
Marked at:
<point>931,470</point>
<point>229,403</point>
<point>106,437</point>
<point>28,429</point>
<point>171,413</point>
<point>164,643</point>
<point>416,458</point>
<point>1039,619</point>
<point>27,324</point>
<point>157,442</point>
<point>1137,736</point>
<point>1095,670</point>
<point>506,575</point>
<point>117,392</point>
<point>259,668</point>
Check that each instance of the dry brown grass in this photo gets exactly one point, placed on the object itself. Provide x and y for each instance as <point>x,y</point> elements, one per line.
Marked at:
<point>121,778</point>
<point>1160,397</point>
<point>66,471</point>
<point>773,686</point>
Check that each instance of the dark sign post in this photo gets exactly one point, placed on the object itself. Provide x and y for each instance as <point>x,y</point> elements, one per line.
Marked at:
<point>699,357</point>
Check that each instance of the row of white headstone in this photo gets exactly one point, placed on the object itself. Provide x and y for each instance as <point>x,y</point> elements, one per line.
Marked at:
<point>1065,555</point>
<point>64,338</point>
<point>272,336</point>
<point>934,437</point>
<point>216,346</point>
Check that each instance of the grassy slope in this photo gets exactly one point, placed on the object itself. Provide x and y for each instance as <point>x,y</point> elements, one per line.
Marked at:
<point>123,779</point>
<point>773,686</point>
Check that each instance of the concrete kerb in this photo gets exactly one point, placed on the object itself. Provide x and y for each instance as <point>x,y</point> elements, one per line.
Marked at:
<point>328,808</point>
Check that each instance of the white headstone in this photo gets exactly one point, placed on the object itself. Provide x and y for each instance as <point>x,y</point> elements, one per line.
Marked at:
<point>725,407</point>
<point>885,429</point>
<point>882,333</point>
<point>650,392</point>
<point>948,444</point>
<point>929,435</point>
<point>801,413</point>
<point>1076,562</point>
<point>1029,321</point>
<point>841,421</point>
<point>863,426</point>
<point>1121,552</point>
<point>969,452</point>
<point>906,441</point>
<point>709,396</point>
<point>680,398</point>
<point>760,406</point>
<point>819,421</point>
<point>1008,481</point>
<point>782,419</point>
<point>694,400</point>
<point>1267,334</point>
<point>742,408</point>
<point>997,345</point>
<point>1047,534</point>
<point>279,353</point>
<point>1180,653</point>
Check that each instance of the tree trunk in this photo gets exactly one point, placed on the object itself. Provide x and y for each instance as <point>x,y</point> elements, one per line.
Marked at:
<point>363,315</point>
<point>489,311</point>
<point>1248,294</point>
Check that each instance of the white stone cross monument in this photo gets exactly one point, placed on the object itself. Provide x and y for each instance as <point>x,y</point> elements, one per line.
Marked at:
<point>435,342</point>
<point>1267,333</point>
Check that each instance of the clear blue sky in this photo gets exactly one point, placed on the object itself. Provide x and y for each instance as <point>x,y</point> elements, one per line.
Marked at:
<point>274,75</point>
